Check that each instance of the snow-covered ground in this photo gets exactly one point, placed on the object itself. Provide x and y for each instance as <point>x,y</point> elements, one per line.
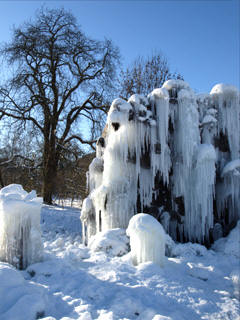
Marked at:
<point>74,282</point>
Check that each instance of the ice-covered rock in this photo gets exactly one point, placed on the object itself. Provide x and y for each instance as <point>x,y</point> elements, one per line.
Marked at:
<point>20,234</point>
<point>147,239</point>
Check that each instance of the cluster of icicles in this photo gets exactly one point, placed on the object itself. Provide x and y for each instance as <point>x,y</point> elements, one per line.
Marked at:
<point>188,143</point>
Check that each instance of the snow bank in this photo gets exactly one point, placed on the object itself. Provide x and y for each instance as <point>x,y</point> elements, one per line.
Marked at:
<point>20,234</point>
<point>147,239</point>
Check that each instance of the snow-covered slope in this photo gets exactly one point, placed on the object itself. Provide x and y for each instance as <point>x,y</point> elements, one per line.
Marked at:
<point>74,282</point>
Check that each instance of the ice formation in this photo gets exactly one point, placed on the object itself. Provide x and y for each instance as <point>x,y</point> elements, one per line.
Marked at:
<point>20,235</point>
<point>147,239</point>
<point>226,100</point>
<point>173,154</point>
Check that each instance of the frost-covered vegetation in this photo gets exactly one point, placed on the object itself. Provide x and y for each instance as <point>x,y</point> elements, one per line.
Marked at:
<point>20,234</point>
<point>173,154</point>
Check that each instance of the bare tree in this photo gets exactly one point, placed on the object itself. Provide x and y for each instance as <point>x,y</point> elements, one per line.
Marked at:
<point>60,77</point>
<point>145,74</point>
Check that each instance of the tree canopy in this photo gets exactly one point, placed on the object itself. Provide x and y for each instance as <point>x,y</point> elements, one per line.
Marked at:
<point>60,76</point>
<point>145,74</point>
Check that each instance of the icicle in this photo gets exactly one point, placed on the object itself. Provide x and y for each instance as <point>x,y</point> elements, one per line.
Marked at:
<point>159,99</point>
<point>228,195</point>
<point>199,205</point>
<point>186,139</point>
<point>226,99</point>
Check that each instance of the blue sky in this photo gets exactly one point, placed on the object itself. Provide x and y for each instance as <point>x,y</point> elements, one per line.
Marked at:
<point>199,38</point>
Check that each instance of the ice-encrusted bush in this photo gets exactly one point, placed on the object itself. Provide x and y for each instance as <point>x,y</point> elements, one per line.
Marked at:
<point>20,235</point>
<point>147,239</point>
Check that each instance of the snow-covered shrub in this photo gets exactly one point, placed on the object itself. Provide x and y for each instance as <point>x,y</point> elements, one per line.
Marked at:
<point>20,235</point>
<point>114,242</point>
<point>147,239</point>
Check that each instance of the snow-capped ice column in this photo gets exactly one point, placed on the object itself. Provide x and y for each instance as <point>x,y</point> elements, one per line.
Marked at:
<point>142,142</point>
<point>147,239</point>
<point>161,161</point>
<point>88,219</point>
<point>114,198</point>
<point>227,102</point>
<point>200,220</point>
<point>20,235</point>
<point>186,139</point>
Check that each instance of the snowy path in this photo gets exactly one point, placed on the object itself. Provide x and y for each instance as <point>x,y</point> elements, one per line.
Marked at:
<point>76,283</point>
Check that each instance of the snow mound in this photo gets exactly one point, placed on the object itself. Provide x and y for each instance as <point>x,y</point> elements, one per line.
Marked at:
<point>224,89</point>
<point>17,295</point>
<point>231,244</point>
<point>188,249</point>
<point>208,119</point>
<point>147,239</point>
<point>232,167</point>
<point>114,242</point>
<point>178,84</point>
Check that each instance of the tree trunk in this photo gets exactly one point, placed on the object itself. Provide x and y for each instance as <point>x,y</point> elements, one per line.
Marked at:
<point>49,178</point>
<point>49,172</point>
<point>1,180</point>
